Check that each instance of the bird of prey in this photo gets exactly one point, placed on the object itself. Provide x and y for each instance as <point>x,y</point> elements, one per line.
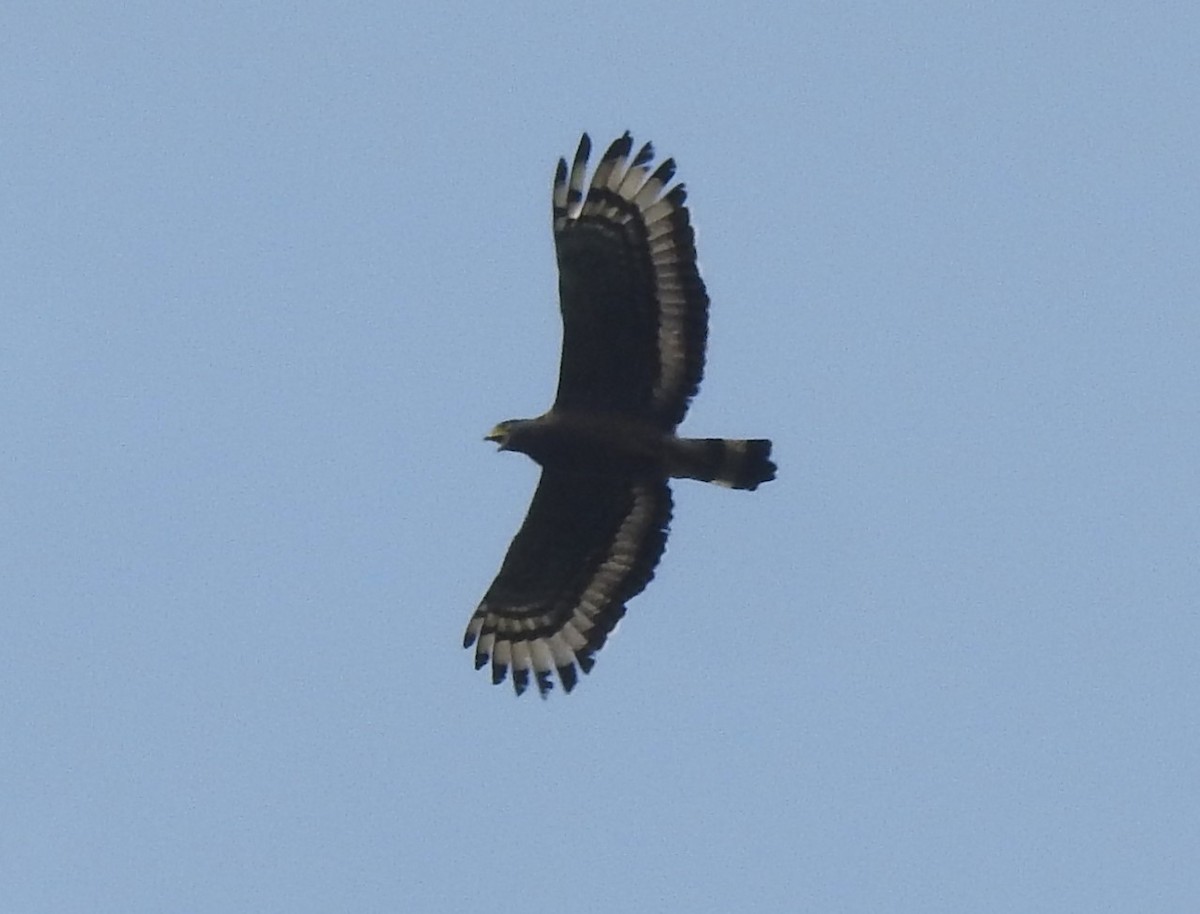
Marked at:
<point>635,325</point>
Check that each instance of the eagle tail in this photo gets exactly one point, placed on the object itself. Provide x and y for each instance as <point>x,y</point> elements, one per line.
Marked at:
<point>737,463</point>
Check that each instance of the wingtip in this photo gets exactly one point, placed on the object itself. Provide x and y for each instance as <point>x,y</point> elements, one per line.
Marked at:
<point>584,149</point>
<point>474,627</point>
<point>645,154</point>
<point>619,148</point>
<point>568,677</point>
<point>585,660</point>
<point>520,680</point>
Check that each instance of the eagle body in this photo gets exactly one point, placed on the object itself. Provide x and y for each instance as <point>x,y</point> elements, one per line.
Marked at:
<point>612,444</point>
<point>635,328</point>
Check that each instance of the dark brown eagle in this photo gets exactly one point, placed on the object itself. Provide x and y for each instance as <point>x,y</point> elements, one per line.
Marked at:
<point>635,323</point>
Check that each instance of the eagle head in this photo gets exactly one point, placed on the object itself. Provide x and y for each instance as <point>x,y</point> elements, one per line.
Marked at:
<point>502,434</point>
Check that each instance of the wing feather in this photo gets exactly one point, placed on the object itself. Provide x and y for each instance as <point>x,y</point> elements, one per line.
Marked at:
<point>578,173</point>
<point>634,308</point>
<point>587,546</point>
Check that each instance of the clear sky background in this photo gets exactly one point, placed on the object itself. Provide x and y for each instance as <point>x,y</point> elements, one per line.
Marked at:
<point>268,272</point>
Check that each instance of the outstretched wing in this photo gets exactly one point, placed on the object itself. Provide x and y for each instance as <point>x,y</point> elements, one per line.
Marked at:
<point>634,309</point>
<point>588,544</point>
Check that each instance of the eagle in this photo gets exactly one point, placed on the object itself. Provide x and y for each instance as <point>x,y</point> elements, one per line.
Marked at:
<point>635,327</point>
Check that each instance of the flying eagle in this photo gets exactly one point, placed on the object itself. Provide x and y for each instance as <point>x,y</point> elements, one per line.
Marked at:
<point>635,323</point>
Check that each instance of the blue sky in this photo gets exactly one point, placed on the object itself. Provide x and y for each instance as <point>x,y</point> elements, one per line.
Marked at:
<point>268,272</point>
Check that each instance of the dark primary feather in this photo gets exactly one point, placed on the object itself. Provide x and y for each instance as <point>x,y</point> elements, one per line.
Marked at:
<point>634,309</point>
<point>589,543</point>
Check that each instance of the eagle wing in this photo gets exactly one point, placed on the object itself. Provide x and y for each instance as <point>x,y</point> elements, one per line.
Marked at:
<point>634,309</point>
<point>588,544</point>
